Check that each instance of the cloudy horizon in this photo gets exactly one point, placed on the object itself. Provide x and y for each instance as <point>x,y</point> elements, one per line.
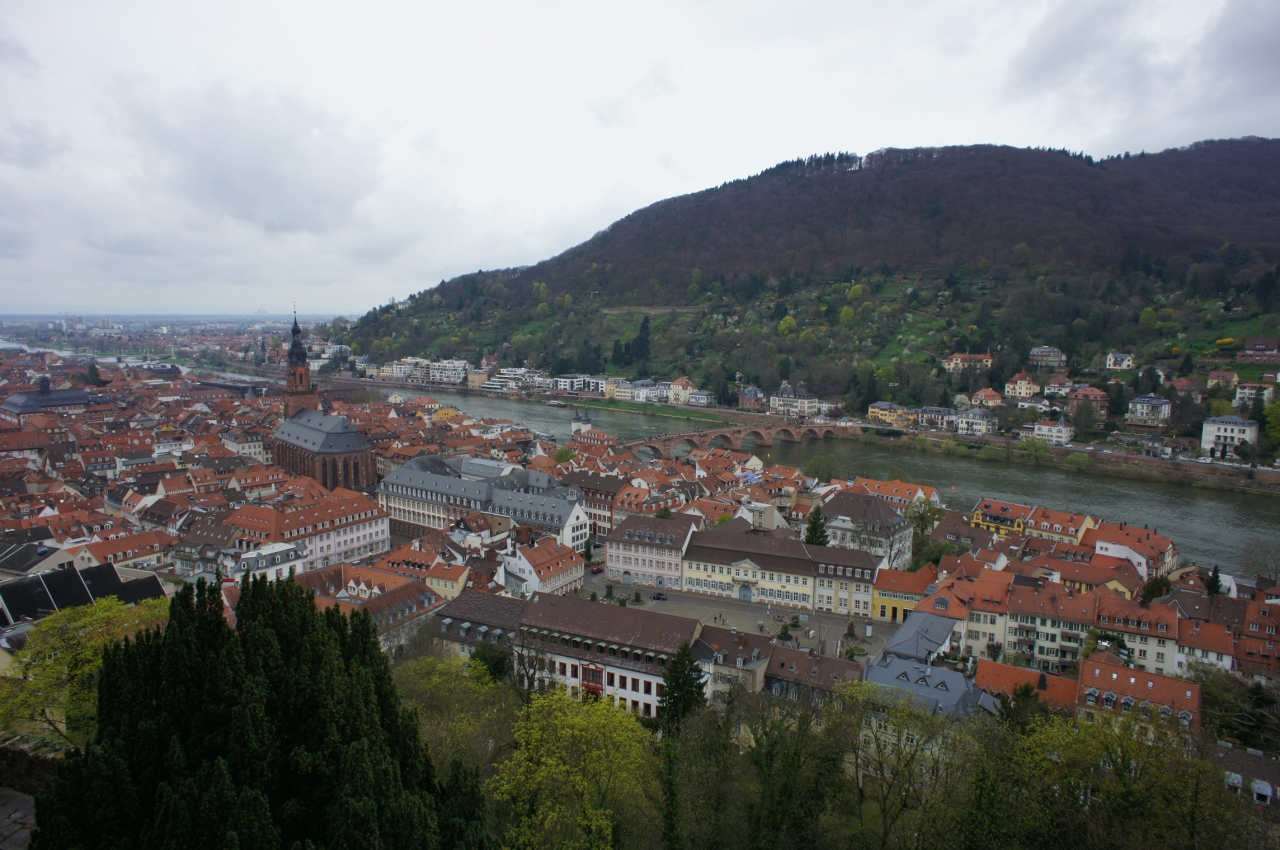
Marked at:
<point>243,157</point>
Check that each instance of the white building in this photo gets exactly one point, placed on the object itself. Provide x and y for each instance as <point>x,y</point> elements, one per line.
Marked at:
<point>789,401</point>
<point>1057,433</point>
<point>1119,361</point>
<point>1247,394</point>
<point>334,530</point>
<point>976,421</point>
<point>1149,410</point>
<point>1226,432</point>
<point>449,371</point>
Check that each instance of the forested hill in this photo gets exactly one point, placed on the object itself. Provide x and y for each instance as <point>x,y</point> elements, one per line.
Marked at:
<point>987,243</point>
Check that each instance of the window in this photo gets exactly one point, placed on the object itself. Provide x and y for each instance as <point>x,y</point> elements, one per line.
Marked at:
<point>610,680</point>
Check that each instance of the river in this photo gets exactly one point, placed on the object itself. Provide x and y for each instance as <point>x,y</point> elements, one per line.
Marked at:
<point>1209,526</point>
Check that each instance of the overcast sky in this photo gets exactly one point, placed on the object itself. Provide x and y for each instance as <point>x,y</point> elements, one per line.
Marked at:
<point>240,156</point>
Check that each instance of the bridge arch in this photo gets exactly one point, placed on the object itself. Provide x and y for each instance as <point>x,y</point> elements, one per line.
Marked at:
<point>762,436</point>
<point>690,440</point>
<point>727,439</point>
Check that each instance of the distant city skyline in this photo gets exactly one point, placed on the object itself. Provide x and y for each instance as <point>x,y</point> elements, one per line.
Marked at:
<point>242,157</point>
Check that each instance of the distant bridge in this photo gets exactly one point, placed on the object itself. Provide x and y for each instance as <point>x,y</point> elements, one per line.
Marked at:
<point>662,445</point>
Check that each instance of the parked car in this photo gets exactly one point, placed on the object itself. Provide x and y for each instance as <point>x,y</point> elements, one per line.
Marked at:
<point>659,597</point>
<point>1205,459</point>
<point>595,571</point>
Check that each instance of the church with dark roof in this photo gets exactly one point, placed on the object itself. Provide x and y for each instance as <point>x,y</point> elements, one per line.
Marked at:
<point>312,443</point>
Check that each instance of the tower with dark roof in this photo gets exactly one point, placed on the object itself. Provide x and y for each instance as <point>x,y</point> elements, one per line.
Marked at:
<point>299,394</point>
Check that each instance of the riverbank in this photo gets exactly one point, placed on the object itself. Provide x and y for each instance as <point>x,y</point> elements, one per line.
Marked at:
<point>1262,482</point>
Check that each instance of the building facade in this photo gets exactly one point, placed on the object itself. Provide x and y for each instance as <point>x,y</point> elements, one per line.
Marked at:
<point>647,551</point>
<point>326,448</point>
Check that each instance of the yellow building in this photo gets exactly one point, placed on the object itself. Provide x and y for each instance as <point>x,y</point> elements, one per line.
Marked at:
<point>1058,525</point>
<point>896,592</point>
<point>1004,518</point>
<point>446,579</point>
<point>891,414</point>
<point>445,413</point>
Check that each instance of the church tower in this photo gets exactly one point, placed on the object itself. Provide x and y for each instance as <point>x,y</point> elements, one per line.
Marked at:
<point>298,395</point>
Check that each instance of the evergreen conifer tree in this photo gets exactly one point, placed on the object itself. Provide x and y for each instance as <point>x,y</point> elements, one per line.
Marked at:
<point>682,689</point>
<point>640,345</point>
<point>1214,585</point>
<point>284,731</point>
<point>815,533</point>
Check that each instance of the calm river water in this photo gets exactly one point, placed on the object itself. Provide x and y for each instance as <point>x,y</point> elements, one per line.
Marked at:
<point>1210,527</point>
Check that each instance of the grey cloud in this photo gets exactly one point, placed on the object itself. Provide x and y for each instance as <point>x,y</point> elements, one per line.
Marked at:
<point>1090,48</point>
<point>14,54</point>
<point>14,241</point>
<point>129,244</point>
<point>28,145</point>
<point>273,161</point>
<point>1092,64</point>
<point>1241,53</point>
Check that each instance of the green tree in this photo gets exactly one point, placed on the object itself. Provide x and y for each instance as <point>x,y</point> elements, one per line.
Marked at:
<point>284,731</point>
<point>639,350</point>
<point>587,549</point>
<point>1213,586</point>
<point>815,531</point>
<point>565,455</point>
<point>1036,449</point>
<point>1155,588</point>
<point>580,777</point>
<point>1273,422</point>
<point>51,687</point>
<point>1085,420</point>
<point>787,326</point>
<point>663,513</point>
<point>496,663</point>
<point>848,316</point>
<point>1187,365</point>
<point>683,689</point>
<point>465,713</point>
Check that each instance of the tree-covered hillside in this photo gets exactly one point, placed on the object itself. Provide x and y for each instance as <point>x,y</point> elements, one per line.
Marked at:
<point>854,274</point>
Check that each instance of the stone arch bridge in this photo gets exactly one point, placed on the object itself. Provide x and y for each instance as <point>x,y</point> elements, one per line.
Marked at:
<point>662,445</point>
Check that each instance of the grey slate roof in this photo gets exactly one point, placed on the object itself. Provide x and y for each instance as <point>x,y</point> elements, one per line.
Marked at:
<point>532,507</point>
<point>936,689</point>
<point>626,627</point>
<point>667,533</point>
<point>18,558</point>
<point>921,637</point>
<point>595,481</point>
<point>483,609</point>
<point>316,432</point>
<point>26,403</point>
<point>864,511</point>
<point>719,546</point>
<point>539,508</point>
<point>414,477</point>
